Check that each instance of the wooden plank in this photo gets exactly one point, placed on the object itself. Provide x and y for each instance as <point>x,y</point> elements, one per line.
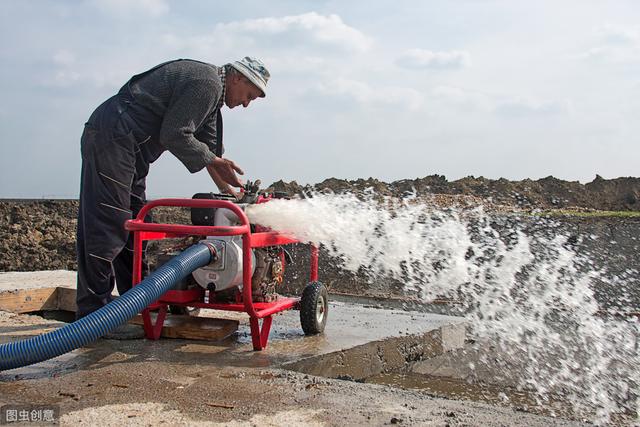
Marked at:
<point>28,300</point>
<point>67,299</point>
<point>194,328</point>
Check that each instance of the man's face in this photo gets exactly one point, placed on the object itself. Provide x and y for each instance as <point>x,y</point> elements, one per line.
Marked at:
<point>240,91</point>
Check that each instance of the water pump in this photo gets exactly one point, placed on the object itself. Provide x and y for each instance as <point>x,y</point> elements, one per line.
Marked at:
<point>225,272</point>
<point>247,264</point>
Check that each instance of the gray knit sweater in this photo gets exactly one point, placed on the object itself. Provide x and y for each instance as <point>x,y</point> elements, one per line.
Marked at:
<point>184,98</point>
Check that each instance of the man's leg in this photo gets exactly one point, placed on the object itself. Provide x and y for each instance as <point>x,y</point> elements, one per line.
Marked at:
<point>107,172</point>
<point>95,281</point>
<point>123,263</point>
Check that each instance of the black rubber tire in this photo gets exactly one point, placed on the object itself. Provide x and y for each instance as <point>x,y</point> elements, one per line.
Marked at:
<point>314,308</point>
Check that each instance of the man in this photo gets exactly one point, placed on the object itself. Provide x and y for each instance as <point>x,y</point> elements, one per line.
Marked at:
<point>175,106</point>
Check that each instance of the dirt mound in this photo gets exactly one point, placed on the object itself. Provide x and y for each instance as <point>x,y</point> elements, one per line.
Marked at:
<point>620,194</point>
<point>40,234</point>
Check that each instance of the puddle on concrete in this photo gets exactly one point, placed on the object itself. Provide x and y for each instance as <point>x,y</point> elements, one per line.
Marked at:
<point>452,388</point>
<point>201,348</point>
<point>459,389</point>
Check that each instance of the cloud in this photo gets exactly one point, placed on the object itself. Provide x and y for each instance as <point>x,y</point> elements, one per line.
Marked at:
<point>614,34</point>
<point>306,29</point>
<point>464,99</point>
<point>64,57</point>
<point>524,107</point>
<point>288,44</point>
<point>63,73</point>
<point>511,106</point>
<point>306,64</point>
<point>612,54</point>
<point>363,94</point>
<point>296,44</point>
<point>427,59</point>
<point>616,44</point>
<point>66,68</point>
<point>126,9</point>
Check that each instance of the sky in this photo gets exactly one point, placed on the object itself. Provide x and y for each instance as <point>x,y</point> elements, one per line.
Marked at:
<point>385,89</point>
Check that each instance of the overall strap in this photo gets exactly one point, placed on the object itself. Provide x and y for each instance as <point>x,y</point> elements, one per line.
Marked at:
<point>219,149</point>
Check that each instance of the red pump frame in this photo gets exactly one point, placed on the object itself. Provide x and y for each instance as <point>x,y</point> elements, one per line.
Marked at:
<point>195,297</point>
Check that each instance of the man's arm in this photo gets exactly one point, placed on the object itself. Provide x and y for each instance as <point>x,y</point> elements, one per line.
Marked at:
<point>208,133</point>
<point>191,104</point>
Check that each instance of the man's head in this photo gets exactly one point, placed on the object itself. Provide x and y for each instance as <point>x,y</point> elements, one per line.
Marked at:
<point>246,80</point>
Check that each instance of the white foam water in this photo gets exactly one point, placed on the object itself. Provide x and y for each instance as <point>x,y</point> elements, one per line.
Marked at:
<point>519,281</point>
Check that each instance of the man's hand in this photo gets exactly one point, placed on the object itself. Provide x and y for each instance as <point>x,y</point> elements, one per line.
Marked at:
<point>223,173</point>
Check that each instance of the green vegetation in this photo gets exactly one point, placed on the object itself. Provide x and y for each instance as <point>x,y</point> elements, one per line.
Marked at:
<point>590,214</point>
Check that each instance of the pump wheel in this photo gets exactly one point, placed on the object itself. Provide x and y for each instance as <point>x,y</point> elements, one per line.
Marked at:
<point>314,308</point>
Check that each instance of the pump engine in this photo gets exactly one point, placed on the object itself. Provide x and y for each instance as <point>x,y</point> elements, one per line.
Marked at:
<point>224,275</point>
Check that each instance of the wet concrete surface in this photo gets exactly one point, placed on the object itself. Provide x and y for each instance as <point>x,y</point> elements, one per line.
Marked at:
<point>491,393</point>
<point>155,392</point>
<point>182,382</point>
<point>349,326</point>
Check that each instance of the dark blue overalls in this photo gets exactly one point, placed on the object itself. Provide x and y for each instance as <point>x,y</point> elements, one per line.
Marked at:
<point>119,142</point>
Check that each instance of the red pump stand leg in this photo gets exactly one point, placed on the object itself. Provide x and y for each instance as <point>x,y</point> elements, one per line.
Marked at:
<point>266,328</point>
<point>151,331</point>
<point>260,336</point>
<point>314,263</point>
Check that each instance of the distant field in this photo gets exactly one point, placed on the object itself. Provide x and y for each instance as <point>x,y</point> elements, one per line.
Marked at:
<point>590,214</point>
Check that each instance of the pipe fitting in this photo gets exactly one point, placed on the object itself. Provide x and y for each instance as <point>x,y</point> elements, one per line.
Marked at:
<point>212,250</point>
